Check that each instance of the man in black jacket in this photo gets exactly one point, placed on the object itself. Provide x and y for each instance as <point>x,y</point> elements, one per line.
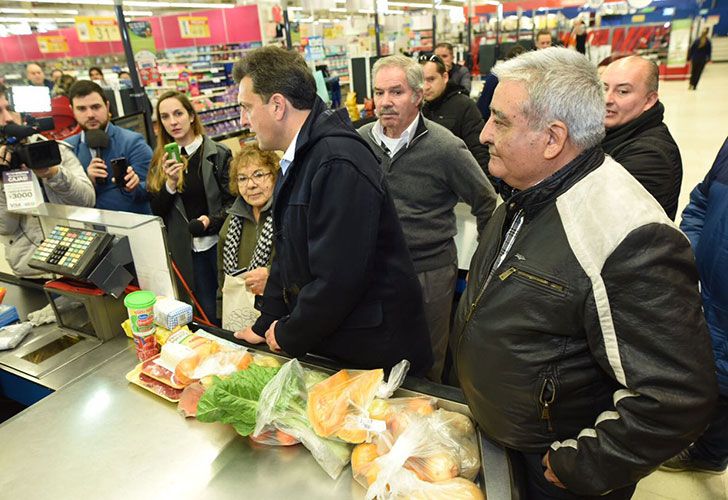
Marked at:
<point>342,283</point>
<point>580,341</point>
<point>636,136</point>
<point>448,104</point>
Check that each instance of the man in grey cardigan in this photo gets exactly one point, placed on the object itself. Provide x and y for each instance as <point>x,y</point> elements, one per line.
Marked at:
<point>428,171</point>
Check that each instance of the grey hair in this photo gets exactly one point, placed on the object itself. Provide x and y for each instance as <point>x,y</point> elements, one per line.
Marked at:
<point>412,70</point>
<point>562,85</point>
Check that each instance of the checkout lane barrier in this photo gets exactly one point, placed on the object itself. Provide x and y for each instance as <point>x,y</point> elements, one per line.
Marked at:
<point>203,319</point>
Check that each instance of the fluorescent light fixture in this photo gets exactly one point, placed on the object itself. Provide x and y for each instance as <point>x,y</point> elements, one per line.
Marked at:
<point>295,8</point>
<point>148,4</point>
<point>68,12</point>
<point>366,11</point>
<point>449,7</point>
<point>139,13</point>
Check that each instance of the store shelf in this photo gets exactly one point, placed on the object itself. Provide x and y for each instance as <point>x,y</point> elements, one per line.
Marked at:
<point>212,90</point>
<point>206,96</point>
<point>231,105</point>
<point>228,135</point>
<point>213,122</point>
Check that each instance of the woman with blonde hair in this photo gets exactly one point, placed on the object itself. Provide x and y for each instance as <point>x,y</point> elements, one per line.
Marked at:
<point>246,238</point>
<point>191,196</point>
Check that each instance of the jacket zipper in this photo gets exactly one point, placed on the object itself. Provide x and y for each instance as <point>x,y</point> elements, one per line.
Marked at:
<point>556,287</point>
<point>547,402</point>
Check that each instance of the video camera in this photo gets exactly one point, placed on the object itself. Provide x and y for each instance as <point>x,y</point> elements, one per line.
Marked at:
<point>27,99</point>
<point>41,154</point>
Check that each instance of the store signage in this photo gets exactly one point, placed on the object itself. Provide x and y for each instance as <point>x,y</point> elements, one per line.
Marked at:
<point>677,52</point>
<point>639,18</point>
<point>97,29</point>
<point>194,27</point>
<point>21,190</point>
<point>51,44</point>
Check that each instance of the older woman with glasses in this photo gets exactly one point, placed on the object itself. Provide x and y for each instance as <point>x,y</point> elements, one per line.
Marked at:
<point>246,239</point>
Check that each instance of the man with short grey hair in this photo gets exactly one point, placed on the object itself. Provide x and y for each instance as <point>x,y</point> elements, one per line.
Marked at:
<point>579,342</point>
<point>637,138</point>
<point>428,170</point>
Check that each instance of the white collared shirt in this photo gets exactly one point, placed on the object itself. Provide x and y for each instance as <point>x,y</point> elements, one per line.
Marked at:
<point>290,153</point>
<point>392,145</point>
<point>192,147</point>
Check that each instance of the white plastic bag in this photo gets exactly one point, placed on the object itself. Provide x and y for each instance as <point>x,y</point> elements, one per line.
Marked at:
<point>12,335</point>
<point>282,405</point>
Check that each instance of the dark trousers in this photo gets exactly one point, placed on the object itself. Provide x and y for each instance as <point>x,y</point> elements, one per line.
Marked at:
<point>438,289</point>
<point>532,485</point>
<point>712,447</point>
<point>204,266</point>
<point>697,69</point>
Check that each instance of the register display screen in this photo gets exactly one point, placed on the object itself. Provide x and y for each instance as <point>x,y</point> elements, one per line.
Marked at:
<point>52,348</point>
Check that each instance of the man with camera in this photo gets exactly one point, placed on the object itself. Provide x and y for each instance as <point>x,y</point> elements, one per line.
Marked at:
<point>65,183</point>
<point>116,159</point>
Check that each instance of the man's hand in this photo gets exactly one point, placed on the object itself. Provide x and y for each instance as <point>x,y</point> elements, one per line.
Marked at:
<point>96,170</point>
<point>549,473</point>
<point>270,337</point>
<point>249,336</point>
<point>5,156</point>
<point>46,173</point>
<point>255,280</point>
<point>205,221</point>
<point>131,179</point>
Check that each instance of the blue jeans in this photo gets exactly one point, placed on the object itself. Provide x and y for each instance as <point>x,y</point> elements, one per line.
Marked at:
<point>204,266</point>
<point>712,446</point>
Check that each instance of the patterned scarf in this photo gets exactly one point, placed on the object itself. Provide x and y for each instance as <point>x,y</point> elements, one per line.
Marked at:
<point>263,248</point>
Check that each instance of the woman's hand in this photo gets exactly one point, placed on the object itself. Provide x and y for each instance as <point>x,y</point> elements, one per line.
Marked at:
<point>249,336</point>
<point>172,169</point>
<point>255,280</point>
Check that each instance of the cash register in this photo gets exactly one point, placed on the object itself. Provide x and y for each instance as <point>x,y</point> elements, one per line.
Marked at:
<point>87,300</point>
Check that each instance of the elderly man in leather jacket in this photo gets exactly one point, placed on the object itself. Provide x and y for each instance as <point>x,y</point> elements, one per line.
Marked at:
<point>579,342</point>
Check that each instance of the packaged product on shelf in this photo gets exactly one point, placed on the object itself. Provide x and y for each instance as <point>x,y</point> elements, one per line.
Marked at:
<point>339,406</point>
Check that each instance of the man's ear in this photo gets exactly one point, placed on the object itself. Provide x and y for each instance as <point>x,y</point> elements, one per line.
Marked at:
<point>279,105</point>
<point>652,98</point>
<point>558,134</point>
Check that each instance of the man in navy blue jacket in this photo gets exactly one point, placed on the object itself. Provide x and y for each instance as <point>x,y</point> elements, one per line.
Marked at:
<point>91,110</point>
<point>705,221</point>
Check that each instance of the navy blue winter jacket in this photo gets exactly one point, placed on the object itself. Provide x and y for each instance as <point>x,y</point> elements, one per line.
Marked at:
<point>705,221</point>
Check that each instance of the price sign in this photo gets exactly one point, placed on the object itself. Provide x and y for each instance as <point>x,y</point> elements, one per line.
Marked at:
<point>97,29</point>
<point>49,44</point>
<point>193,27</point>
<point>21,190</point>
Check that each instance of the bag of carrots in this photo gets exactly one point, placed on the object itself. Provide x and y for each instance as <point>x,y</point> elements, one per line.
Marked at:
<point>338,407</point>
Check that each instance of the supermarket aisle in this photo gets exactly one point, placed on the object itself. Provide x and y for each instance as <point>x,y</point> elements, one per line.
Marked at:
<point>698,121</point>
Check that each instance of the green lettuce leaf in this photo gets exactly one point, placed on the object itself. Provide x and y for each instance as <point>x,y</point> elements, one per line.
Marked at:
<point>235,400</point>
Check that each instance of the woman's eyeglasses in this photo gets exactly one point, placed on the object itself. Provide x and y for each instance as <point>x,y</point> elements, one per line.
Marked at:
<point>257,178</point>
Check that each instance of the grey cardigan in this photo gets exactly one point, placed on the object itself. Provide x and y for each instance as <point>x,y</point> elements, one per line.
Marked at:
<point>427,179</point>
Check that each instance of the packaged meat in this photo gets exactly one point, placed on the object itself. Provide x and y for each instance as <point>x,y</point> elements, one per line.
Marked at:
<point>136,377</point>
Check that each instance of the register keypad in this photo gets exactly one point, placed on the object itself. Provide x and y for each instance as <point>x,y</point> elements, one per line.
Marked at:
<point>69,250</point>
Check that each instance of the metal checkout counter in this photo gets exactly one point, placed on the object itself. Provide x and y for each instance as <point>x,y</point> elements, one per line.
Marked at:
<point>98,435</point>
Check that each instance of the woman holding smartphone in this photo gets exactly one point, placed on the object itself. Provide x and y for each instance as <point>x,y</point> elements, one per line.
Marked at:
<point>189,191</point>
<point>246,238</point>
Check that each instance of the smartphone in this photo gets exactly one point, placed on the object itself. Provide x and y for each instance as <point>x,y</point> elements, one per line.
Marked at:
<point>119,166</point>
<point>172,150</point>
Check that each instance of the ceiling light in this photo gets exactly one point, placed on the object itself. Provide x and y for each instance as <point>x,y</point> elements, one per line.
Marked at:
<point>295,8</point>
<point>138,13</point>
<point>150,4</point>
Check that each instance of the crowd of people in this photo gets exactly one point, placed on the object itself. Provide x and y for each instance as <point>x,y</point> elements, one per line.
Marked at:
<point>582,341</point>
<point>60,82</point>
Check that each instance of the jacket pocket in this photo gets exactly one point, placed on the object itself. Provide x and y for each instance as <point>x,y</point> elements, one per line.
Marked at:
<point>534,279</point>
<point>366,315</point>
